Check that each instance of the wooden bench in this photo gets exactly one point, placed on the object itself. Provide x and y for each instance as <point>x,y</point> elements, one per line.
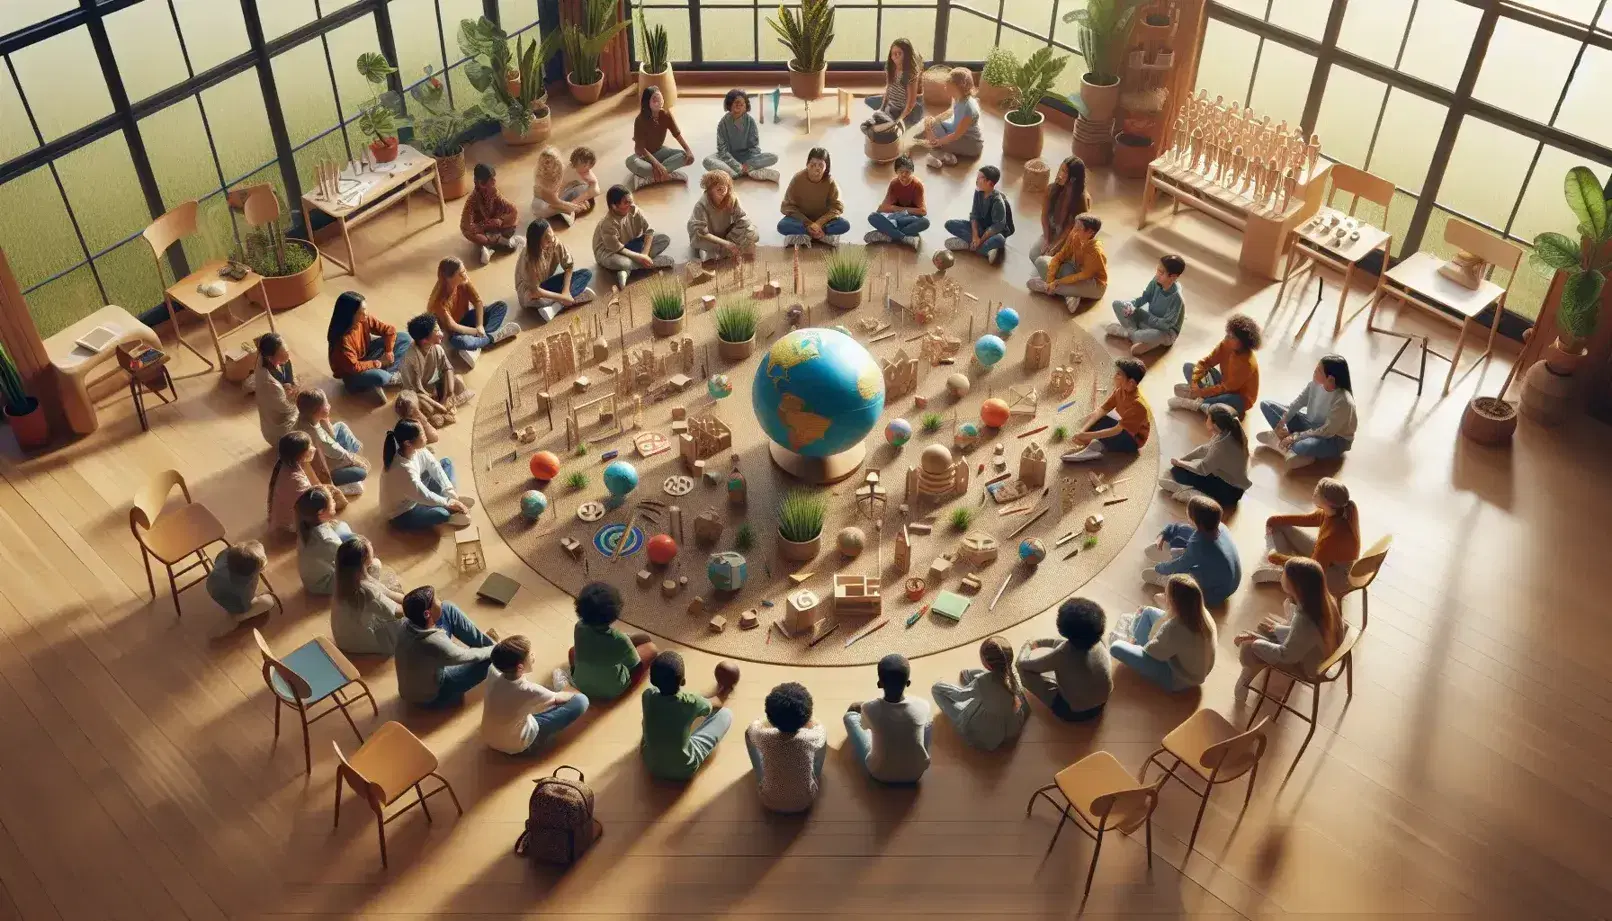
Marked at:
<point>74,364</point>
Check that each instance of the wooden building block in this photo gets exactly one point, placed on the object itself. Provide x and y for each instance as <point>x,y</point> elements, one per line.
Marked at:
<point>572,546</point>
<point>749,620</point>
<point>718,624</point>
<point>696,607</point>
<point>644,578</point>
<point>668,588</point>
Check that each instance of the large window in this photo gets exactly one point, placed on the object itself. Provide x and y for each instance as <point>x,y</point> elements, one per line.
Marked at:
<point>1434,95</point>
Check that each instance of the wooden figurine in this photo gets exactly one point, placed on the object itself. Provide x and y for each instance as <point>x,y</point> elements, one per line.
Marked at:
<point>718,624</point>
<point>738,487</point>
<point>903,550</point>
<point>900,375</point>
<point>707,529</point>
<point>696,607</point>
<point>1312,154</point>
<point>978,550</point>
<point>1195,150</point>
<point>1033,465</point>
<point>1037,350</point>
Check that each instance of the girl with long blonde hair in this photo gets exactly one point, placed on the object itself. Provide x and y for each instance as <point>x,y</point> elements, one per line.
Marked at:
<point>718,227</point>
<point>957,136</point>
<point>1174,649</point>
<point>548,178</point>
<point>989,706</point>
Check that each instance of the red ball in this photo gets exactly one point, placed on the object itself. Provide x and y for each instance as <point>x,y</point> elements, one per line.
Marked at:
<point>994,412</point>
<point>545,465</point>
<point>661,548</point>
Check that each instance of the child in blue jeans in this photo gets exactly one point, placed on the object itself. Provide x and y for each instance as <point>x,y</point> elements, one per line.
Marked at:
<point>433,670</point>
<point>673,749</point>
<point>1176,649</point>
<point>990,220</point>
<point>518,715</point>
<point>1320,423</point>
<point>417,490</point>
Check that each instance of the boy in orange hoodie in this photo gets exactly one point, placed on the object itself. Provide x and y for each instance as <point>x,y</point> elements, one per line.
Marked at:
<point>1078,268</point>
<point>1229,375</point>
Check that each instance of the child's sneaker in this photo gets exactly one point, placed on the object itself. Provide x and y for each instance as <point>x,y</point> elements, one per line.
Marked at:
<point>1266,574</point>
<point>876,236</point>
<point>1157,554</point>
<point>830,239</point>
<point>764,174</point>
<point>1268,440</point>
<point>664,261</point>
<point>485,254</point>
<point>1186,403</point>
<point>1117,331</point>
<point>1038,286</point>
<point>467,357</point>
<point>995,256</point>
<point>560,681</point>
<point>797,239</point>
<point>508,331</point>
<point>1183,390</point>
<point>1295,461</point>
<point>1122,628</point>
<point>586,296</point>
<point>957,245</point>
<point>913,241</point>
<point>517,242</point>
<point>1185,495</point>
<point>1088,453</point>
<point>1072,304</point>
<point>352,490</point>
<point>459,521</point>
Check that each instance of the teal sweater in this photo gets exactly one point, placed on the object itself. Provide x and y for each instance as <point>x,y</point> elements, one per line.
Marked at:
<point>737,143</point>
<point>1160,309</point>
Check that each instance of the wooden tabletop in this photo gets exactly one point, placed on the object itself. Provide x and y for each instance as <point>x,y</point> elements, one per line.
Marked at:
<point>1315,233</point>
<point>185,290</point>
<point>362,188</point>
<point>66,354</point>
<point>1419,274</point>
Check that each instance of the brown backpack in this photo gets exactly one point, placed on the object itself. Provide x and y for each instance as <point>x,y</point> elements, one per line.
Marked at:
<point>560,826</point>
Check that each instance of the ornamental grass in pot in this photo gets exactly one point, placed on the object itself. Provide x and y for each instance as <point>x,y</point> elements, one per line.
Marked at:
<point>847,270</point>
<point>801,514</point>
<point>654,57</point>
<point>1102,28</point>
<point>23,412</point>
<point>666,308</point>
<point>736,322</point>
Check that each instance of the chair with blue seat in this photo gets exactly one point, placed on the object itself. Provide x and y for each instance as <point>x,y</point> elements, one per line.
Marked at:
<point>312,673</point>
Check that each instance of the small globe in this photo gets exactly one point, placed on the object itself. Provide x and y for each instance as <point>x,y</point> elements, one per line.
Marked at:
<point>661,549</point>
<point>989,350</point>
<point>1007,320</point>
<point>1032,550</point>
<point>850,542</point>
<point>957,385</point>
<point>935,459</point>
<point>967,434</point>
<point>533,504</point>
<point>544,465</point>
<point>817,392</point>
<point>943,259</point>
<point>994,412</point>
<point>720,387</point>
<point>620,478</point>
<point>898,432</point>
<point>727,571</point>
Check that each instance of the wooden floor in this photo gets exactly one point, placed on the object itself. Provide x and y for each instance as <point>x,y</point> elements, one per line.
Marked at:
<point>1467,777</point>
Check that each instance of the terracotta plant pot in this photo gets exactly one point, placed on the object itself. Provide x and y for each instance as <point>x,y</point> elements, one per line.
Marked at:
<point>32,428</point>
<point>1564,357</point>
<point>384,151</point>
<point>799,551</point>
<point>990,95</point>
<point>844,300</point>
<point>807,86</point>
<point>1022,142</point>
<point>1489,421</point>
<point>665,81</point>
<point>536,134</point>
<point>454,175</point>
<point>585,93</point>
<point>1132,154</point>
<point>878,151</point>
<point>1547,397</point>
<point>1101,100</point>
<point>735,351</point>
<point>287,291</point>
<point>664,329</point>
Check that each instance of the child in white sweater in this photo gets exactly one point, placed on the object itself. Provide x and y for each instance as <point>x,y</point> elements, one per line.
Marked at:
<point>1320,423</point>
<point>417,490</point>
<point>518,715</point>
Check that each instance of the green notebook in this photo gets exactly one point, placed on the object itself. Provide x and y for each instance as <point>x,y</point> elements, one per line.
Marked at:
<point>950,605</point>
<point>498,588</point>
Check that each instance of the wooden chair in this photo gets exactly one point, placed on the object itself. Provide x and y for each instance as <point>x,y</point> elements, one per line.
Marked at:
<point>169,229</point>
<point>313,672</point>
<point>173,536</point>
<point>1362,573</point>
<point>1340,663</point>
<point>1417,282</point>
<point>1305,253</point>
<point>1213,749</point>
<point>391,763</point>
<point>1102,795</point>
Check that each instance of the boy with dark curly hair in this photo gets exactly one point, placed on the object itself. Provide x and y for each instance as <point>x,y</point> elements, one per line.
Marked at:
<point>1229,375</point>
<point>605,661</point>
<point>786,749</point>
<point>1072,676</point>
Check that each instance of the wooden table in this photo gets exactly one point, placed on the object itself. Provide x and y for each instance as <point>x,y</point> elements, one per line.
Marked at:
<point>1417,281</point>
<point>73,364</point>
<point>1312,243</point>
<point>184,293</point>
<point>1265,230</point>
<point>365,194</point>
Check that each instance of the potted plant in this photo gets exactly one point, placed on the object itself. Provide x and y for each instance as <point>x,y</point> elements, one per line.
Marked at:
<point>736,328</point>
<point>937,87</point>
<point>1583,265</point>
<point>27,418</point>
<point>379,117</point>
<point>806,33</point>
<point>1133,153</point>
<point>654,58</point>
<point>666,308</point>
<point>439,133</point>
<point>847,273</point>
<point>1103,26</point>
<point>1155,27</point>
<point>996,77</point>
<point>293,272</point>
<point>509,79</point>
<point>800,524</point>
<point>584,42</point>
<point>1031,82</point>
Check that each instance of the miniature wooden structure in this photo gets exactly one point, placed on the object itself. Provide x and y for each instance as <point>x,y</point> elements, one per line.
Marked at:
<point>696,607</point>
<point>572,546</point>
<point>938,567</point>
<point>467,550</point>
<point>749,620</point>
<point>554,357</point>
<point>706,437</point>
<point>1037,350</point>
<point>802,611</point>
<point>938,346</point>
<point>900,374</point>
<point>1033,465</point>
<point>573,421</point>
<point>935,298</point>
<point>939,475</point>
<point>707,529</point>
<point>903,550</point>
<point>857,596</point>
<point>1062,383</point>
<point>978,549</point>
<point>870,497</point>
<point>718,624</point>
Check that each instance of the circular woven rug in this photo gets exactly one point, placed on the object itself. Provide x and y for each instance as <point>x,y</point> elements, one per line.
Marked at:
<point>573,541</point>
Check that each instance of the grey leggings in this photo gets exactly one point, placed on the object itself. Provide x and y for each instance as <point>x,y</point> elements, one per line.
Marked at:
<point>616,262</point>
<point>1091,287</point>
<point>669,157</point>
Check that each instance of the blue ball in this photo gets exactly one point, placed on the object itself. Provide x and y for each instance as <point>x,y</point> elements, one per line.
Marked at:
<point>533,504</point>
<point>1007,320</point>
<point>817,392</point>
<point>620,478</point>
<point>989,350</point>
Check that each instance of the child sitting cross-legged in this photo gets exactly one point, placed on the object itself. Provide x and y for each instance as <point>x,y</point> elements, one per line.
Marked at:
<point>1320,424</point>
<point>605,661</point>
<point>786,749</point>
<point>1203,549</point>
<point>1217,468</point>
<point>1229,375</point>
<point>1072,676</point>
<point>1073,268</point>
<point>1173,648</point>
<point>990,220</point>
<point>672,748</point>
<point>237,583</point>
<point>890,734</point>
<point>518,714</point>
<point>1121,424</point>
<point>989,707</point>
<point>1335,546</point>
<point>1154,319</point>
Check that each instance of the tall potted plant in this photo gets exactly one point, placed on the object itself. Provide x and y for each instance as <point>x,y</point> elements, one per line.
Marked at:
<point>379,118</point>
<point>439,133</point>
<point>27,418</point>
<point>666,308</point>
<point>847,271</point>
<point>1031,82</point>
<point>584,42</point>
<point>654,57</point>
<point>806,33</point>
<point>509,78</point>
<point>293,274</point>
<point>1102,28</point>
<point>1584,265</point>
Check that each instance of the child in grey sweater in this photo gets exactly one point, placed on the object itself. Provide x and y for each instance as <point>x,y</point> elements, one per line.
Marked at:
<point>433,670</point>
<point>1154,319</point>
<point>1072,676</point>
<point>738,143</point>
<point>1218,468</point>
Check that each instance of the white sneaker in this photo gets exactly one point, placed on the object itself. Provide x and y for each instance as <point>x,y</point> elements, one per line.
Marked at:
<point>486,255</point>
<point>1122,628</point>
<point>1183,390</point>
<point>352,490</point>
<point>517,242</point>
<point>994,257</point>
<point>914,242</point>
<point>508,331</point>
<point>459,520</point>
<point>379,395</point>
<point>1268,439</point>
<point>1295,461</point>
<point>1072,304</point>
<point>1265,574</point>
<point>1157,554</point>
<point>1088,453</point>
<point>467,357</point>
<point>1240,692</point>
<point>664,261</point>
<point>1187,403</point>
<point>1037,286</point>
<point>678,176</point>
<point>586,297</point>
<point>1170,485</point>
<point>1117,331</point>
<point>797,239</point>
<point>560,681</point>
<point>636,182</point>
<point>956,245</point>
<point>875,236</point>
<point>934,161</point>
<point>1185,495</point>
<point>463,399</point>
<point>469,501</point>
<point>621,278</point>
<point>765,174</point>
<point>562,218</point>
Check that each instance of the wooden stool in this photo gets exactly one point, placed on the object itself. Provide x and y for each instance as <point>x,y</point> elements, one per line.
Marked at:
<point>147,370</point>
<point>844,97</point>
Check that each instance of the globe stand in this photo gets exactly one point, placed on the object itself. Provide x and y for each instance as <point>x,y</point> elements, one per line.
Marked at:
<point>819,470</point>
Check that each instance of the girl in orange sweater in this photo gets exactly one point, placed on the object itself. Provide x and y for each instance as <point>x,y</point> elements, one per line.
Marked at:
<point>1336,544</point>
<point>1229,375</point>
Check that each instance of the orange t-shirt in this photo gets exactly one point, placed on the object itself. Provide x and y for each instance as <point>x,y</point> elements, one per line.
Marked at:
<point>1239,373</point>
<point>1131,408</point>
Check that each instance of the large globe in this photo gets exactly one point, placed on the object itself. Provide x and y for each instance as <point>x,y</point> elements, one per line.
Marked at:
<point>818,392</point>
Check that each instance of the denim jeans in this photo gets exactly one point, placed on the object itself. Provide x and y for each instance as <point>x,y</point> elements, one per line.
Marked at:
<point>1309,446</point>
<point>670,157</point>
<point>579,280</point>
<point>550,722</point>
<point>898,225</point>
<point>492,317</point>
<point>755,759</point>
<point>964,230</point>
<point>1123,443</point>
<point>862,740</point>
<point>703,740</point>
<point>794,226</point>
<point>1132,653</point>
<point>1212,377</point>
<point>422,517</point>
<point>341,476</point>
<point>376,378</point>
<point>454,681</point>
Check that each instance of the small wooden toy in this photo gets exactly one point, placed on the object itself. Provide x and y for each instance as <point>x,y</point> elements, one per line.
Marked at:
<point>1094,524</point>
<point>467,548</point>
<point>801,612</point>
<point>645,577</point>
<point>668,588</point>
<point>572,546</point>
<point>696,607</point>
<point>749,620</point>
<point>718,623</point>
<point>857,596</point>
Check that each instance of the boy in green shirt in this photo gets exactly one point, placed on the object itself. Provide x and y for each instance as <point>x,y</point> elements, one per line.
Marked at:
<point>673,749</point>
<point>605,661</point>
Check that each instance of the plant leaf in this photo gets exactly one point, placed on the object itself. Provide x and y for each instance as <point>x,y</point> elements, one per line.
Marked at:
<point>1580,304</point>
<point>1556,251</point>
<point>1584,196</point>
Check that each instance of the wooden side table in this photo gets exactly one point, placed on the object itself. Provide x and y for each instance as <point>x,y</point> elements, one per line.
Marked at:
<point>76,366</point>
<point>147,370</point>
<point>366,194</point>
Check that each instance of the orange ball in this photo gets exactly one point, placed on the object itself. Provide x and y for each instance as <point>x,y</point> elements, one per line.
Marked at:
<point>661,548</point>
<point>994,412</point>
<point>545,465</point>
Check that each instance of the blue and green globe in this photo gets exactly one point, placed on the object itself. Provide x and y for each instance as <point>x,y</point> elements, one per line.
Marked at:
<point>818,392</point>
